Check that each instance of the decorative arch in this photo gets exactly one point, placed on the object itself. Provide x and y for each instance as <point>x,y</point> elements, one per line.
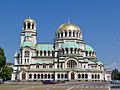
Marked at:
<point>23,76</point>
<point>65,33</point>
<point>28,25</point>
<point>75,63</point>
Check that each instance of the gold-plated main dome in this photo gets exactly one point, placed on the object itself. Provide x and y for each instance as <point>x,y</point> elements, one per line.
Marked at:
<point>68,26</point>
<point>29,20</point>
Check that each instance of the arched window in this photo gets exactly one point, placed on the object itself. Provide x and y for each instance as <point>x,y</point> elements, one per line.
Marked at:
<point>52,76</point>
<point>95,76</point>
<point>34,76</point>
<point>23,76</point>
<point>41,76</point>
<point>61,34</point>
<point>37,53</point>
<point>37,65</point>
<point>38,76</point>
<point>48,53</point>
<point>58,35</point>
<point>52,53</point>
<point>30,76</point>
<point>71,64</point>
<point>44,65</point>
<point>90,53</point>
<point>44,53</point>
<point>28,25</point>
<point>86,76</point>
<point>40,53</point>
<point>62,50</point>
<point>27,53</point>
<point>66,76</point>
<point>71,49</point>
<point>86,53</point>
<point>98,76</point>
<point>75,50</point>
<point>33,26</point>
<point>65,33</point>
<point>45,76</point>
<point>58,75</point>
<point>73,33</point>
<point>92,76</point>
<point>82,75</point>
<point>62,75</point>
<point>49,76</point>
<point>79,76</point>
<point>66,50</point>
<point>50,65</point>
<point>69,33</point>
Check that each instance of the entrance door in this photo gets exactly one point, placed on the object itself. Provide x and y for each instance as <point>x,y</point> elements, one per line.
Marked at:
<point>72,76</point>
<point>23,76</point>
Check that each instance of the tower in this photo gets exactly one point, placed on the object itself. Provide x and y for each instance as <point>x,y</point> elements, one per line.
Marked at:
<point>28,34</point>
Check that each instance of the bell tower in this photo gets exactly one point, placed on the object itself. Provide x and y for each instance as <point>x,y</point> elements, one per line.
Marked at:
<point>29,33</point>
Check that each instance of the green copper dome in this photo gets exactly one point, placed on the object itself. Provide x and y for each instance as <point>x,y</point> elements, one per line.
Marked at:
<point>88,48</point>
<point>70,45</point>
<point>27,44</point>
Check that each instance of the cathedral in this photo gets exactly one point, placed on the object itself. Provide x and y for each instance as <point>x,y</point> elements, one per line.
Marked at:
<point>68,58</point>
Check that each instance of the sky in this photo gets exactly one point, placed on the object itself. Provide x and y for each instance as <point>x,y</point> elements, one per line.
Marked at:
<point>99,21</point>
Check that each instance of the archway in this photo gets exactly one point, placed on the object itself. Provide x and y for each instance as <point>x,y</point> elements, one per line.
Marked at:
<point>72,76</point>
<point>23,76</point>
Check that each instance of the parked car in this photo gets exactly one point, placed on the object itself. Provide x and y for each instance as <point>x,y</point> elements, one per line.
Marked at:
<point>115,81</point>
<point>1,81</point>
<point>48,82</point>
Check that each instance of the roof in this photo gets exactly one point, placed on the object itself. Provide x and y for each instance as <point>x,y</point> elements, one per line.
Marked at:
<point>27,43</point>
<point>44,47</point>
<point>99,63</point>
<point>68,26</point>
<point>70,45</point>
<point>29,20</point>
<point>62,70</point>
<point>91,62</point>
<point>88,48</point>
<point>42,62</point>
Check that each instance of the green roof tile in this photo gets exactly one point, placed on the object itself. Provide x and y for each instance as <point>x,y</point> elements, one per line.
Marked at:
<point>70,45</point>
<point>27,43</point>
<point>44,47</point>
<point>88,48</point>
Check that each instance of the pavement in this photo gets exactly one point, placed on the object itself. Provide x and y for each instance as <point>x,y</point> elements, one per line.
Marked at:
<point>62,86</point>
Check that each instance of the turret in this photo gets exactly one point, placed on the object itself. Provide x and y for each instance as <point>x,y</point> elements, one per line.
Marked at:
<point>28,34</point>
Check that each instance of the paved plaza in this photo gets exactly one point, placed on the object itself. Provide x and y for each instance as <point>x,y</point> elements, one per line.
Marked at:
<point>63,86</point>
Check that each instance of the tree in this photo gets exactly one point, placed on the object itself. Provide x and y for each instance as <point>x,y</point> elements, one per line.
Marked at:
<point>2,58</point>
<point>5,71</point>
<point>115,74</point>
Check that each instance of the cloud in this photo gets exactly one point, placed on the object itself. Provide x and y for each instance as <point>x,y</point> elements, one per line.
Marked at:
<point>113,66</point>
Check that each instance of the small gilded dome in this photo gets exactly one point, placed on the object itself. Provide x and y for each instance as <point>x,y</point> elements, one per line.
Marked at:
<point>68,26</point>
<point>29,20</point>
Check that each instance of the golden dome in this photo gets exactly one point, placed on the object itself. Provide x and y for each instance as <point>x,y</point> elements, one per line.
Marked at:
<point>68,26</point>
<point>29,20</point>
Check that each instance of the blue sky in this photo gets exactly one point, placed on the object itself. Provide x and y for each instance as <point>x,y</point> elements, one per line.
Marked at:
<point>99,21</point>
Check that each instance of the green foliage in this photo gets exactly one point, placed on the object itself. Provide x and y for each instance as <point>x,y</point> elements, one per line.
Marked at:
<point>115,74</point>
<point>5,71</point>
<point>2,58</point>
